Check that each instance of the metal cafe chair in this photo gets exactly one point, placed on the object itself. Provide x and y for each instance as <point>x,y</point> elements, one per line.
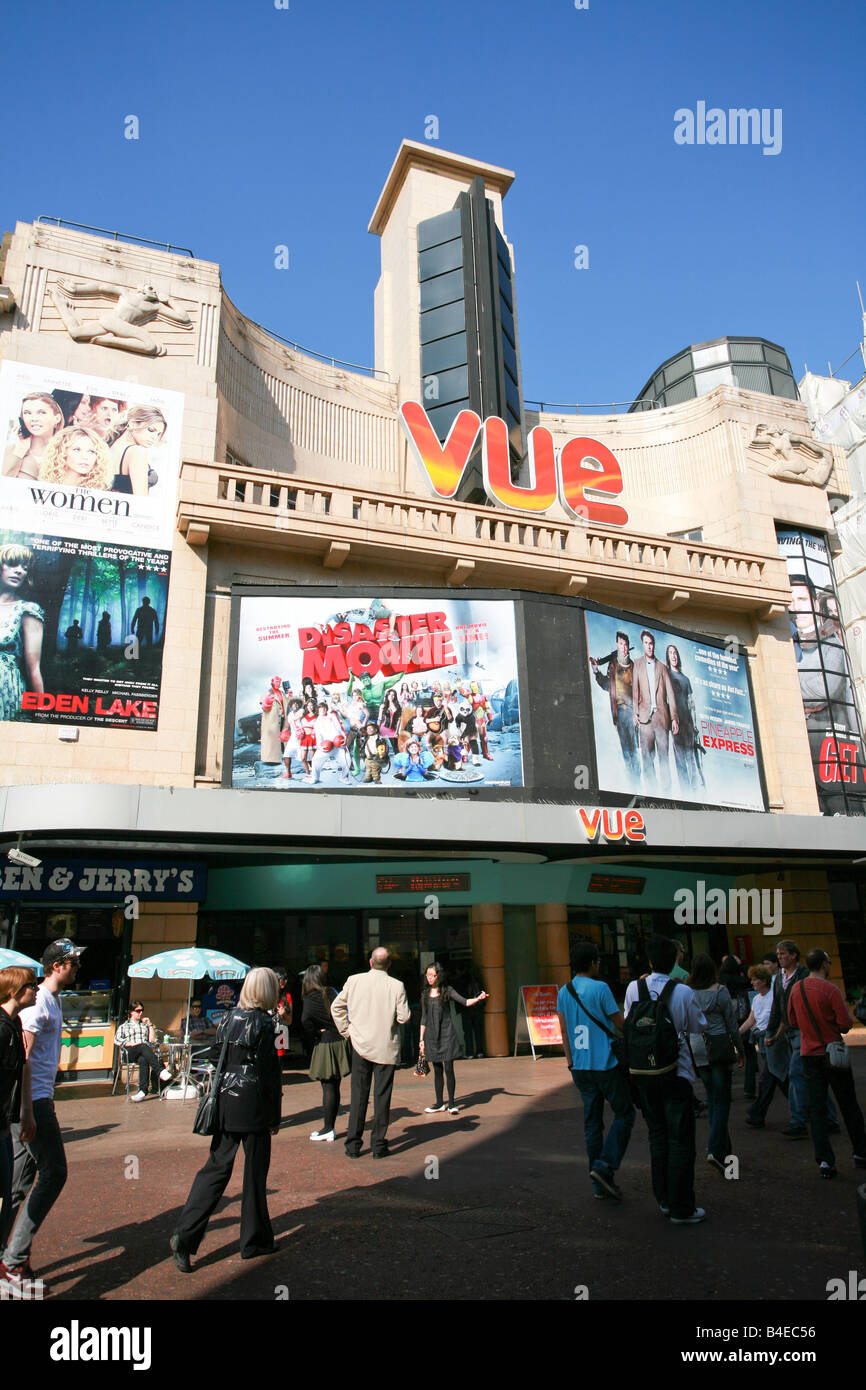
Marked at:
<point>122,1061</point>
<point>201,1070</point>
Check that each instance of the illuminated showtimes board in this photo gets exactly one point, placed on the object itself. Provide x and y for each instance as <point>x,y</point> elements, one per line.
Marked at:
<point>616,883</point>
<point>423,883</point>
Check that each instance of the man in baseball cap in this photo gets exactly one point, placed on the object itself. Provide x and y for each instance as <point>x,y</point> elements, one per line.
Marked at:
<point>39,1155</point>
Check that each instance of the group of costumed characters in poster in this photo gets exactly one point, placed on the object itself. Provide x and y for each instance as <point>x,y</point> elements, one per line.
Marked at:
<point>420,714</point>
<point>672,716</point>
<point>87,491</point>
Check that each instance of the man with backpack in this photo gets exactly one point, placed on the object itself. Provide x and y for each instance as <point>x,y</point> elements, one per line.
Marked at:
<point>659,1015</point>
<point>590,1021</point>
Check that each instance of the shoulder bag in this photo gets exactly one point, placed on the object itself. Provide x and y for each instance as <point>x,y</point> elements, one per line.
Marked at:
<point>837,1053</point>
<point>617,1046</point>
<point>720,1046</point>
<point>205,1121</point>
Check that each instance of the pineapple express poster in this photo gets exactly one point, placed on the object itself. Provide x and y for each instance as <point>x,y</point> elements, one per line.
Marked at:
<point>358,692</point>
<point>81,631</point>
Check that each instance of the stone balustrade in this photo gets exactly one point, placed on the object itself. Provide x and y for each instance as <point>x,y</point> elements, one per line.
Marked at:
<point>458,543</point>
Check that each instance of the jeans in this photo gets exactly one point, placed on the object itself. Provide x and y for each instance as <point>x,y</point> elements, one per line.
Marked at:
<point>819,1076</point>
<point>211,1181</point>
<point>381,1074</point>
<point>798,1096</point>
<point>717,1079</point>
<point>44,1159</point>
<point>596,1087</point>
<point>670,1116</point>
<point>627,731</point>
<point>6,1166</point>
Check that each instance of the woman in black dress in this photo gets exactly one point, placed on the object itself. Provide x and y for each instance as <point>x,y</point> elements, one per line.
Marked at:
<point>439,1041</point>
<point>330,1060</point>
<point>250,1093</point>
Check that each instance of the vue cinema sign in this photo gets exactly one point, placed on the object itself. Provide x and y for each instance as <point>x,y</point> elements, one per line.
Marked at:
<point>582,477</point>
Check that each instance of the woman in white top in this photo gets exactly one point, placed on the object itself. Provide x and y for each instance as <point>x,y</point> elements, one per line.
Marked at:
<point>756,1024</point>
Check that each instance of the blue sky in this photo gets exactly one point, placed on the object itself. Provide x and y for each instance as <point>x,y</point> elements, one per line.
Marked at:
<point>261,127</point>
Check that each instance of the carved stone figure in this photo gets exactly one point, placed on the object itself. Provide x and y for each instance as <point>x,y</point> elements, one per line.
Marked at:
<point>123,325</point>
<point>793,458</point>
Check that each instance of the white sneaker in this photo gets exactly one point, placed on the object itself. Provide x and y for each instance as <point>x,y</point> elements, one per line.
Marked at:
<point>327,1134</point>
<point>434,1109</point>
<point>165,1075</point>
<point>452,1110</point>
<point>697,1215</point>
<point>139,1095</point>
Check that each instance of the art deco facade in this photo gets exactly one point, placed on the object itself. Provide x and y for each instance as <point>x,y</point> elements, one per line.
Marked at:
<point>296,477</point>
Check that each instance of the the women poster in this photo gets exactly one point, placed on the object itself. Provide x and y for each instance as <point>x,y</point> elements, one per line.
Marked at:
<point>672,716</point>
<point>87,501</point>
<point>359,692</point>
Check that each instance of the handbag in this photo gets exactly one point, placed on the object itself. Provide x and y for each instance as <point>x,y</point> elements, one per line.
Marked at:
<point>837,1053</point>
<point>205,1121</point>
<point>422,1066</point>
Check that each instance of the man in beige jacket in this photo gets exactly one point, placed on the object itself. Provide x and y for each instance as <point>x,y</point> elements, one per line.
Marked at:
<point>367,1011</point>
<point>655,712</point>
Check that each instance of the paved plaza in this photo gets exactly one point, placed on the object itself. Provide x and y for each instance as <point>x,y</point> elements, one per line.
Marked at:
<point>509,1216</point>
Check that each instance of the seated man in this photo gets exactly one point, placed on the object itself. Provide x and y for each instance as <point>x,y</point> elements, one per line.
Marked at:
<point>138,1036</point>
<point>199,1027</point>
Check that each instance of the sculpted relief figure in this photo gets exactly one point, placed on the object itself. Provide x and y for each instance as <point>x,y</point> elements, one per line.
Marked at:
<point>793,458</point>
<point>121,326</point>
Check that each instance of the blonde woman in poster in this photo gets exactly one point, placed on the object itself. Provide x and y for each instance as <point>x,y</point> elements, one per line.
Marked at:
<point>39,420</point>
<point>144,430</point>
<point>77,457</point>
<point>21,628</point>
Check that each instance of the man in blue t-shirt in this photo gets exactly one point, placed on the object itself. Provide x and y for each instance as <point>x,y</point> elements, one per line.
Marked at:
<point>596,1072</point>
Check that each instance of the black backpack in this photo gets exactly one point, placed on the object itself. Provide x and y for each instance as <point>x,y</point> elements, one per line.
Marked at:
<point>652,1043</point>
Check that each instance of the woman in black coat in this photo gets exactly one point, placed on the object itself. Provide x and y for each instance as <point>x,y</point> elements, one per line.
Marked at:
<point>439,1041</point>
<point>248,1113</point>
<point>329,1062</point>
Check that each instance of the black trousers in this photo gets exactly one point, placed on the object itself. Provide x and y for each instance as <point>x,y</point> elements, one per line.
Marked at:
<point>147,1060</point>
<point>768,1085</point>
<point>211,1182</point>
<point>381,1075</point>
<point>438,1086</point>
<point>819,1076</point>
<point>330,1102</point>
<point>670,1116</point>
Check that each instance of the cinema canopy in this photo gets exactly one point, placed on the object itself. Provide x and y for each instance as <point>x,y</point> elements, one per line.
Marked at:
<point>600,652</point>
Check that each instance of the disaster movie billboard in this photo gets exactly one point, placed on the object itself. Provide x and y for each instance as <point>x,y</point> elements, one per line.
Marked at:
<point>398,692</point>
<point>88,489</point>
<point>672,716</point>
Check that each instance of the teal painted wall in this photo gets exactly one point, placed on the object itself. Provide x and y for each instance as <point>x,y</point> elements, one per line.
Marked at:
<point>305,887</point>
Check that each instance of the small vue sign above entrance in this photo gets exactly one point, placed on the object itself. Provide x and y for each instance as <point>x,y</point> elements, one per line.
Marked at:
<point>585,476</point>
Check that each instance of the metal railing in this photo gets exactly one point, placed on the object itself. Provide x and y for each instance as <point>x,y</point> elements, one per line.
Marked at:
<point>377,373</point>
<point>115,236</point>
<point>605,408</point>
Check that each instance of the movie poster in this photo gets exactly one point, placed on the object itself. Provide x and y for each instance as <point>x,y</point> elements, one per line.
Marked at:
<point>81,643</point>
<point>88,457</point>
<point>358,692</point>
<point>825,678</point>
<point>672,716</point>
<point>88,492</point>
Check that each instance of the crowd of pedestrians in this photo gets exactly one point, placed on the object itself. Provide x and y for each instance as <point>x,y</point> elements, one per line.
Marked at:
<point>781,1021</point>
